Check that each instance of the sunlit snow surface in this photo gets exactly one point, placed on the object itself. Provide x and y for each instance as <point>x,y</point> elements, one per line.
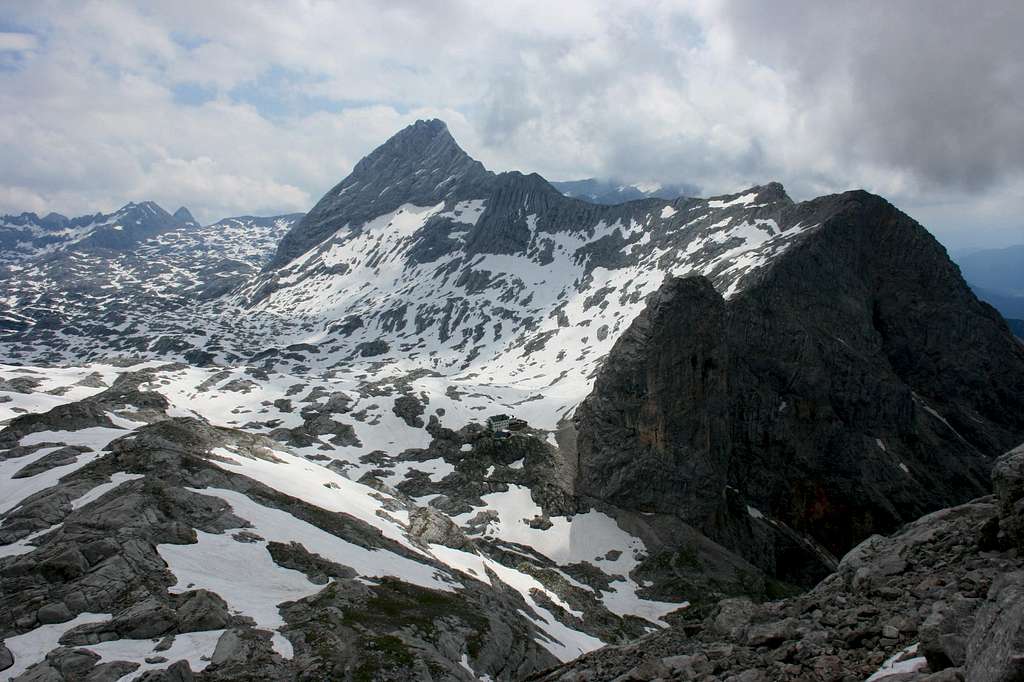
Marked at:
<point>586,537</point>
<point>194,647</point>
<point>31,647</point>
<point>904,661</point>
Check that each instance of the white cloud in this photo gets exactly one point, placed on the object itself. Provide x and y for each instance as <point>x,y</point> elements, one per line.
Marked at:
<point>719,95</point>
<point>17,42</point>
<point>24,198</point>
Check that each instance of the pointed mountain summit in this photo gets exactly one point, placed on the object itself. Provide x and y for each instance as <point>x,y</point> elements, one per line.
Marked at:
<point>421,164</point>
<point>50,220</point>
<point>129,225</point>
<point>425,146</point>
<point>423,196</point>
<point>185,216</point>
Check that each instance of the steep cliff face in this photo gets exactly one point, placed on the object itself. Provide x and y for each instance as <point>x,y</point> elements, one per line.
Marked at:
<point>670,361</point>
<point>856,385</point>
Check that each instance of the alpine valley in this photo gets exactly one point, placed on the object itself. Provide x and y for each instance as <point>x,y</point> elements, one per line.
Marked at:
<point>458,425</point>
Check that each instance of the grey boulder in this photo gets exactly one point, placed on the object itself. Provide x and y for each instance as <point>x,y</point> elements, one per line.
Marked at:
<point>995,652</point>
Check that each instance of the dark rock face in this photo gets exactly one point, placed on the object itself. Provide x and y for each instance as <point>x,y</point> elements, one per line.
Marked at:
<point>385,180</point>
<point>855,385</point>
<point>410,409</point>
<point>184,216</point>
<point>649,390</point>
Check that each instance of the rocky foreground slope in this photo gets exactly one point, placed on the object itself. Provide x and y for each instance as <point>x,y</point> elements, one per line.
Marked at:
<point>941,600</point>
<point>136,530</point>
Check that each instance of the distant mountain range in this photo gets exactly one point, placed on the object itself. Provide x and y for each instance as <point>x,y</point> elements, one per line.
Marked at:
<point>1016,326</point>
<point>614,192</point>
<point>997,276</point>
<point>27,235</point>
<point>94,272</point>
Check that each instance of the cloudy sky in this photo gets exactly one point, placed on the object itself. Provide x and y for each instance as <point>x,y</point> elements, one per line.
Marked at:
<point>260,107</point>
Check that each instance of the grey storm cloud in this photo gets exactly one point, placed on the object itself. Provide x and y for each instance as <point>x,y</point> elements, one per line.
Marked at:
<point>935,88</point>
<point>262,108</point>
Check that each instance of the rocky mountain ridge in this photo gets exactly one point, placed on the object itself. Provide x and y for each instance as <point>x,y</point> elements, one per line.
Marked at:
<point>27,236</point>
<point>856,386</point>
